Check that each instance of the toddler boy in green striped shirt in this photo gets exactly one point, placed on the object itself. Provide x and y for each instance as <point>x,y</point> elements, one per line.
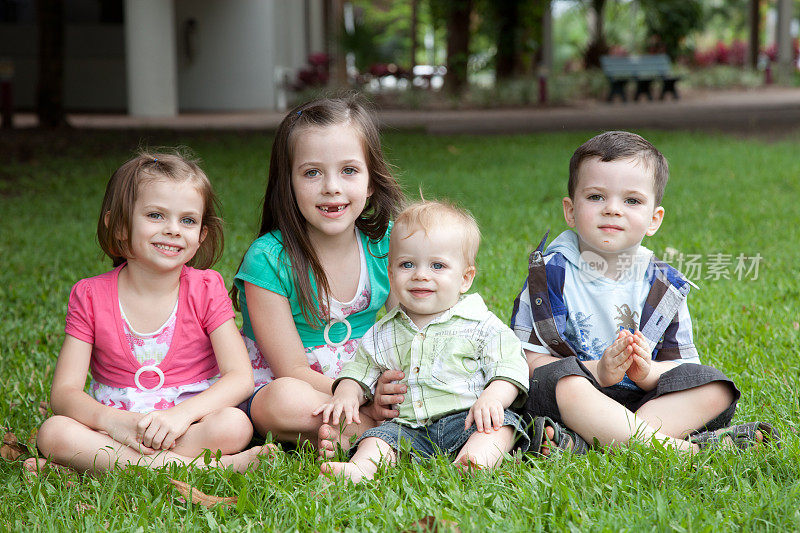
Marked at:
<point>464,368</point>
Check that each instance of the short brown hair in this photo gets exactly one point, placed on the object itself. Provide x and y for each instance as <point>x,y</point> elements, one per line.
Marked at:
<point>428,214</point>
<point>616,145</point>
<point>121,193</point>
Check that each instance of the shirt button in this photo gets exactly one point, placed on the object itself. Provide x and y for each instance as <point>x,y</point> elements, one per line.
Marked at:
<point>419,404</point>
<point>416,370</point>
<point>538,301</point>
<point>422,336</point>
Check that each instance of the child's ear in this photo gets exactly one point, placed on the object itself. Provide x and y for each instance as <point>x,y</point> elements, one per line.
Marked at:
<point>569,211</point>
<point>655,222</point>
<point>203,234</point>
<point>469,276</point>
<point>106,218</point>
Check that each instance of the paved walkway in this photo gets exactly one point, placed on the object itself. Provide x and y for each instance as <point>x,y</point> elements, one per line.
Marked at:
<point>771,112</point>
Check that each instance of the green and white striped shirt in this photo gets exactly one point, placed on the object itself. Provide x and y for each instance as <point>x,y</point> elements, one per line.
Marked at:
<point>447,364</point>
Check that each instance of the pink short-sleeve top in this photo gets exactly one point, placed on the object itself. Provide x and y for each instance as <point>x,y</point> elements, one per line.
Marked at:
<point>93,316</point>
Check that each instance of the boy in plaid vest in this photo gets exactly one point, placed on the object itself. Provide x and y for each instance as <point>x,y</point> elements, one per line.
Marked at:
<point>605,325</point>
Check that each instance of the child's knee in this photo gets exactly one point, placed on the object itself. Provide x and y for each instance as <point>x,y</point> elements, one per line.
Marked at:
<point>718,396</point>
<point>231,430</point>
<point>572,388</point>
<point>53,434</point>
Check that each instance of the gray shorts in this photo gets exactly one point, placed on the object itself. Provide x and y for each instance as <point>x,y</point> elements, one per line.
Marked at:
<point>446,436</point>
<point>542,394</point>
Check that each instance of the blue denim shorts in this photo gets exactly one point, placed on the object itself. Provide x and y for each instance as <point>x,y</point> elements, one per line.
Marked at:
<point>446,436</point>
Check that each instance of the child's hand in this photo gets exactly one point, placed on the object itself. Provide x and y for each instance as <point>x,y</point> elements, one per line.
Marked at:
<point>641,363</point>
<point>123,429</point>
<point>339,405</point>
<point>160,429</point>
<point>616,360</point>
<point>487,413</point>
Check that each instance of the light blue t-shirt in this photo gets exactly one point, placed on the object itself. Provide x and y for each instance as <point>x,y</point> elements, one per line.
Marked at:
<point>599,307</point>
<point>266,264</point>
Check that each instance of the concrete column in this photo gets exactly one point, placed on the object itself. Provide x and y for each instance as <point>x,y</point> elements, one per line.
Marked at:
<point>784,39</point>
<point>150,53</point>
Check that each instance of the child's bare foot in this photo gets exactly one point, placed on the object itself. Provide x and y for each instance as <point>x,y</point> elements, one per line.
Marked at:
<point>33,466</point>
<point>468,464</point>
<point>350,471</point>
<point>248,459</point>
<point>327,438</point>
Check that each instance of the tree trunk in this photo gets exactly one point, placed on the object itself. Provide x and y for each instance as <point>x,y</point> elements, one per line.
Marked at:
<point>755,33</point>
<point>335,18</point>
<point>507,39</point>
<point>50,85</point>
<point>598,46</point>
<point>413,31</point>
<point>458,19</point>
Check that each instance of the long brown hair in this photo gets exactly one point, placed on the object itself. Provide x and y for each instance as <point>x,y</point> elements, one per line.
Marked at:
<point>113,233</point>
<point>280,211</point>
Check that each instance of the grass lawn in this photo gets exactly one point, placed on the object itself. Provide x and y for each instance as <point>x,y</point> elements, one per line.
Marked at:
<point>727,199</point>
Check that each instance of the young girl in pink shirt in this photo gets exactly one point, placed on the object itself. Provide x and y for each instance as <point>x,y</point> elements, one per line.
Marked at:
<point>168,364</point>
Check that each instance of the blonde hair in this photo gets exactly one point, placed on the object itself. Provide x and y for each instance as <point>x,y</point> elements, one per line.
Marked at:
<point>113,233</point>
<point>426,215</point>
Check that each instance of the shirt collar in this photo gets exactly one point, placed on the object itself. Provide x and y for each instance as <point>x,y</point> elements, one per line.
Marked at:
<point>469,306</point>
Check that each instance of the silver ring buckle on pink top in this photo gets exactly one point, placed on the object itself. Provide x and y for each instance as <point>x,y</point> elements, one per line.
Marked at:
<point>149,368</point>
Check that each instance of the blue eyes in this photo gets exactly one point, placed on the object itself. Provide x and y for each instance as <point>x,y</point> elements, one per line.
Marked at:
<point>599,198</point>
<point>314,173</point>
<point>186,221</point>
<point>434,266</point>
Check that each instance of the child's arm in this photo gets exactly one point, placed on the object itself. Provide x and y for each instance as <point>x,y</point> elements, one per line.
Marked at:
<point>68,398</point>
<point>277,337</point>
<point>487,411</point>
<point>160,429</point>
<point>346,400</point>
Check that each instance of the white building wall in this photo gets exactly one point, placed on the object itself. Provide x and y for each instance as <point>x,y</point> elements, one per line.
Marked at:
<point>226,62</point>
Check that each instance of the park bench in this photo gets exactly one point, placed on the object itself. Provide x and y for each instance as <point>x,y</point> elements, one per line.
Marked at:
<point>644,70</point>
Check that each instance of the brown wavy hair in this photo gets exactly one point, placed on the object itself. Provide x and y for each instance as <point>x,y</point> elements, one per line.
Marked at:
<point>280,211</point>
<point>115,224</point>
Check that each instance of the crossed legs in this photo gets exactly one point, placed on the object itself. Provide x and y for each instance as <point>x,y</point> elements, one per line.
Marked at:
<point>284,408</point>
<point>69,443</point>
<point>669,418</point>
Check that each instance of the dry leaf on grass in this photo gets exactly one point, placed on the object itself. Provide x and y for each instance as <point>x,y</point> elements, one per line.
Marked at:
<point>43,407</point>
<point>195,496</point>
<point>431,523</point>
<point>11,448</point>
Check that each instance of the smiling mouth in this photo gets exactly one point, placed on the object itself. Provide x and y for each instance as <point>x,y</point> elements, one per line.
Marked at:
<point>332,208</point>
<point>421,293</point>
<point>167,247</point>
<point>611,228</point>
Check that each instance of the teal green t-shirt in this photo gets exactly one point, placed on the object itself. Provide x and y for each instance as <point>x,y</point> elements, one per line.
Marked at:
<point>267,265</point>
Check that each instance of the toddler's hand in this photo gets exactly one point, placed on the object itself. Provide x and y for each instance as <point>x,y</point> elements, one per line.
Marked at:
<point>616,360</point>
<point>641,363</point>
<point>339,405</point>
<point>160,429</point>
<point>486,413</point>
